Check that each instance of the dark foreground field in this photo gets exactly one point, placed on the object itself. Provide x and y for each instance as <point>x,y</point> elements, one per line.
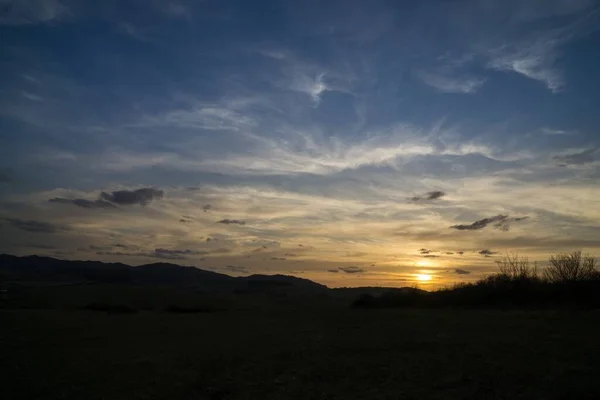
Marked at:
<point>300,353</point>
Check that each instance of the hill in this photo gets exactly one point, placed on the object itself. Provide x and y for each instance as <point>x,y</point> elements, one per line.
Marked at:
<point>47,269</point>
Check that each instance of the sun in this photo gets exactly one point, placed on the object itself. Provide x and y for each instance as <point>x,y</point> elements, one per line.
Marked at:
<point>423,277</point>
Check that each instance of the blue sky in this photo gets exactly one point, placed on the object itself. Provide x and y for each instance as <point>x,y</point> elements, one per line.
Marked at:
<point>323,135</point>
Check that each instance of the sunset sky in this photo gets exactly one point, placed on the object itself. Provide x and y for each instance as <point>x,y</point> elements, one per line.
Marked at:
<point>348,142</point>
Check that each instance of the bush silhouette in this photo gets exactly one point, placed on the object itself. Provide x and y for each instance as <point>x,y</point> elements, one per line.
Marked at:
<point>571,280</point>
<point>570,267</point>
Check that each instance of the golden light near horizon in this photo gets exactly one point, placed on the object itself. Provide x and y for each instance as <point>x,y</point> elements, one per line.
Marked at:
<point>423,277</point>
<point>424,263</point>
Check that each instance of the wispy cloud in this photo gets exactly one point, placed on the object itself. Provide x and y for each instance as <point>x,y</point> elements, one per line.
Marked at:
<point>446,84</point>
<point>23,12</point>
<point>311,85</point>
<point>31,96</point>
<point>83,203</point>
<point>35,226</point>
<point>536,55</point>
<point>579,158</point>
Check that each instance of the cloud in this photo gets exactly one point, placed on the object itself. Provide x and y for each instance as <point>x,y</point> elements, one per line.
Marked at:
<point>446,84</point>
<point>460,252</point>
<point>179,251</point>
<point>487,252</point>
<point>532,63</point>
<point>24,12</point>
<point>221,251</point>
<point>425,251</point>
<point>210,117</point>
<point>165,254</point>
<point>351,270</point>
<point>231,221</point>
<point>581,158</point>
<point>536,56</point>
<point>125,246</point>
<point>550,131</point>
<point>83,203</point>
<point>313,86</point>
<point>236,268</point>
<point>278,258</point>
<point>429,196</point>
<point>129,197</point>
<point>461,271</point>
<point>31,96</point>
<point>430,256</point>
<point>482,223</point>
<point>206,207</point>
<point>333,271</point>
<point>35,226</point>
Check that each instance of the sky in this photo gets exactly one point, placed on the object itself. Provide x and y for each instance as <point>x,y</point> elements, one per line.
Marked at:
<point>349,142</point>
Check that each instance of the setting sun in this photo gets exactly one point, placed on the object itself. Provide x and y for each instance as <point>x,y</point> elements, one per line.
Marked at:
<point>423,277</point>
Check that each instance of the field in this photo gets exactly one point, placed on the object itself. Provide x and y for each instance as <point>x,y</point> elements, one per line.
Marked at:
<point>299,350</point>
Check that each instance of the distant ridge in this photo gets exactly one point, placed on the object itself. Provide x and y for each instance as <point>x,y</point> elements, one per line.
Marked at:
<point>48,269</point>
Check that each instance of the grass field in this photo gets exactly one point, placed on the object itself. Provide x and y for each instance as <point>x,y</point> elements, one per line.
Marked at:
<point>300,353</point>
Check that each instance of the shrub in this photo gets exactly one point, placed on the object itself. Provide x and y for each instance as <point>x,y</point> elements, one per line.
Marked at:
<point>517,268</point>
<point>570,267</point>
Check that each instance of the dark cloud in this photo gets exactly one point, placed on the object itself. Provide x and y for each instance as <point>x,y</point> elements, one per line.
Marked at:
<point>118,253</point>
<point>231,221</point>
<point>236,268</point>
<point>426,251</point>
<point>83,203</point>
<point>259,249</point>
<point>130,197</point>
<point>291,255</point>
<point>179,251</point>
<point>184,221</point>
<point>487,252</point>
<point>35,226</point>
<point>356,254</point>
<point>449,253</point>
<point>41,246</point>
<point>430,256</point>
<point>126,246</point>
<point>206,207</point>
<point>221,251</point>
<point>429,196</point>
<point>278,258</point>
<point>499,221</point>
<point>165,254</point>
<point>351,270</point>
<point>98,248</point>
<point>581,158</point>
<point>461,271</point>
<point>335,271</point>
<point>460,252</point>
